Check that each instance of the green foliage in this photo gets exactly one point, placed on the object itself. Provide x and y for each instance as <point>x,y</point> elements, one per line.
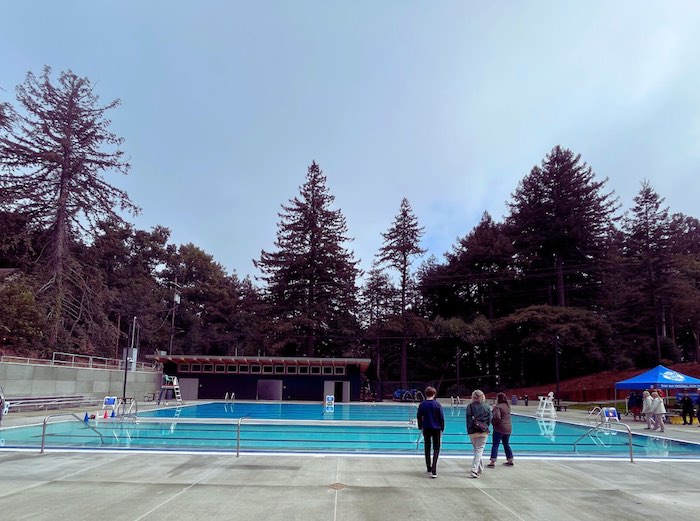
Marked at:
<point>21,324</point>
<point>625,295</point>
<point>558,221</point>
<point>401,244</point>
<point>530,336</point>
<point>53,156</point>
<point>311,276</point>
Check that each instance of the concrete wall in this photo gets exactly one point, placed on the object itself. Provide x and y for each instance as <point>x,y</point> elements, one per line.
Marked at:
<point>49,380</point>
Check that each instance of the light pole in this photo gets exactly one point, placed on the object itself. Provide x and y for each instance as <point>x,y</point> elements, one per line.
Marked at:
<point>127,359</point>
<point>176,301</point>
<point>459,380</point>
<point>556,360</point>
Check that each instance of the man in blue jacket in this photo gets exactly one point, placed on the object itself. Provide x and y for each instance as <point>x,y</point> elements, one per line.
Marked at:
<point>431,421</point>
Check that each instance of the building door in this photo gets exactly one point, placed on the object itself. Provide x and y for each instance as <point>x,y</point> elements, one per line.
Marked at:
<point>269,390</point>
<point>338,388</point>
<point>189,388</point>
<point>338,391</point>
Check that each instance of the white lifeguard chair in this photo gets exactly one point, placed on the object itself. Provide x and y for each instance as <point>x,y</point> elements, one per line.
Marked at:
<point>547,427</point>
<point>546,407</point>
<point>170,383</point>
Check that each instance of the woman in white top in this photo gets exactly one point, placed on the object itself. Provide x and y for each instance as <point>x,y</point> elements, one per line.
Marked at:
<point>647,402</point>
<point>658,409</point>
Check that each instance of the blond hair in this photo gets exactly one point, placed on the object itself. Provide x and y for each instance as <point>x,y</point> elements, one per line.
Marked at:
<point>478,396</point>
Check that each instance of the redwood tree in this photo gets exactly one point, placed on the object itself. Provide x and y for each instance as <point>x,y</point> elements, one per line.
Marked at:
<point>54,155</point>
<point>401,244</point>
<point>310,277</point>
<point>559,220</point>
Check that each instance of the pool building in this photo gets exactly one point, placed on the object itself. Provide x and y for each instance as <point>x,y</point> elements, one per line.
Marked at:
<point>210,377</point>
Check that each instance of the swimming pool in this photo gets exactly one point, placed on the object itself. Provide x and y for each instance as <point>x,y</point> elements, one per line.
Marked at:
<point>307,428</point>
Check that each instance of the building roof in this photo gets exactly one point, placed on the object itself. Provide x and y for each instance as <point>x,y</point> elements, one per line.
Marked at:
<point>363,363</point>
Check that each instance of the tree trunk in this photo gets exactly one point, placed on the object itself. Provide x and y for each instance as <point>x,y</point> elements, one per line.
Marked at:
<point>560,282</point>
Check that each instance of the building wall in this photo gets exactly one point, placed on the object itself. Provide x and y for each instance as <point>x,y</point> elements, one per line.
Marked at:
<point>214,386</point>
<point>50,380</point>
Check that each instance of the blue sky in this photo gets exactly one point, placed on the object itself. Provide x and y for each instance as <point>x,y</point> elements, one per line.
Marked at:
<point>447,103</point>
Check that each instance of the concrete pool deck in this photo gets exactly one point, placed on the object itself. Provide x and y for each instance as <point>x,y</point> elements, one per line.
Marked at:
<point>142,486</point>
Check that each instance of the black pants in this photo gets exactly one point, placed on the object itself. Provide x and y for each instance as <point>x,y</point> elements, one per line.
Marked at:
<point>685,414</point>
<point>431,437</point>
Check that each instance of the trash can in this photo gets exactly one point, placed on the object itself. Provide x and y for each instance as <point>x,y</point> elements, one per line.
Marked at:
<point>514,400</point>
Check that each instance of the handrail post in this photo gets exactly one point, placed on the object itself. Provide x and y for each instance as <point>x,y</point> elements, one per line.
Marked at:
<point>43,435</point>
<point>46,420</point>
<point>238,438</point>
<point>609,426</point>
<point>629,437</point>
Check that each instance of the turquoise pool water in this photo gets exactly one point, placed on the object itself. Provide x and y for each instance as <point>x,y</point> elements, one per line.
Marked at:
<point>349,428</point>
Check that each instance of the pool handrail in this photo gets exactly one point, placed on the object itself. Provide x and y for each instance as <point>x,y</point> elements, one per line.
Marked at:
<point>268,421</point>
<point>607,425</point>
<point>596,410</point>
<point>131,412</point>
<point>46,420</point>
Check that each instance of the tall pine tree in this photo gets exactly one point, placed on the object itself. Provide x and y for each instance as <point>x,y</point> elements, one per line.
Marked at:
<point>649,262</point>
<point>310,277</point>
<point>401,244</point>
<point>559,219</point>
<point>53,157</point>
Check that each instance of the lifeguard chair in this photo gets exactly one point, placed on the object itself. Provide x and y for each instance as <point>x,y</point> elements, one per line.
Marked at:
<point>546,407</point>
<point>170,384</point>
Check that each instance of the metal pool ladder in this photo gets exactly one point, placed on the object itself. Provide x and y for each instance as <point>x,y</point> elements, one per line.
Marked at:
<point>81,420</point>
<point>608,417</point>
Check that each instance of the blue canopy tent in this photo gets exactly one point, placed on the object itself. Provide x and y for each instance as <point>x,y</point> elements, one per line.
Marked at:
<point>659,378</point>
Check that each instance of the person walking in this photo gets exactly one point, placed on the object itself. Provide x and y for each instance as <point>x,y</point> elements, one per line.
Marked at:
<point>658,409</point>
<point>687,409</point>
<point>646,409</point>
<point>431,420</point>
<point>478,422</point>
<point>502,429</point>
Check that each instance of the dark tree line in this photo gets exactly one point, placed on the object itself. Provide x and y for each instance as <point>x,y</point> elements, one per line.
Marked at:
<point>565,278</point>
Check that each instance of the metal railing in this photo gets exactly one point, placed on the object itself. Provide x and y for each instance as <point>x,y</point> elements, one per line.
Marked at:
<point>245,420</point>
<point>127,409</point>
<point>50,416</point>
<point>81,361</point>
<point>605,425</point>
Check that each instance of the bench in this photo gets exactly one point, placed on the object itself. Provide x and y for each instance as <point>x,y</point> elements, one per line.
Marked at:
<point>17,403</point>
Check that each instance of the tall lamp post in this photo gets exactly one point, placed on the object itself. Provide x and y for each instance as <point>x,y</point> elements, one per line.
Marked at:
<point>556,360</point>
<point>459,380</point>
<point>176,301</point>
<point>129,350</point>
